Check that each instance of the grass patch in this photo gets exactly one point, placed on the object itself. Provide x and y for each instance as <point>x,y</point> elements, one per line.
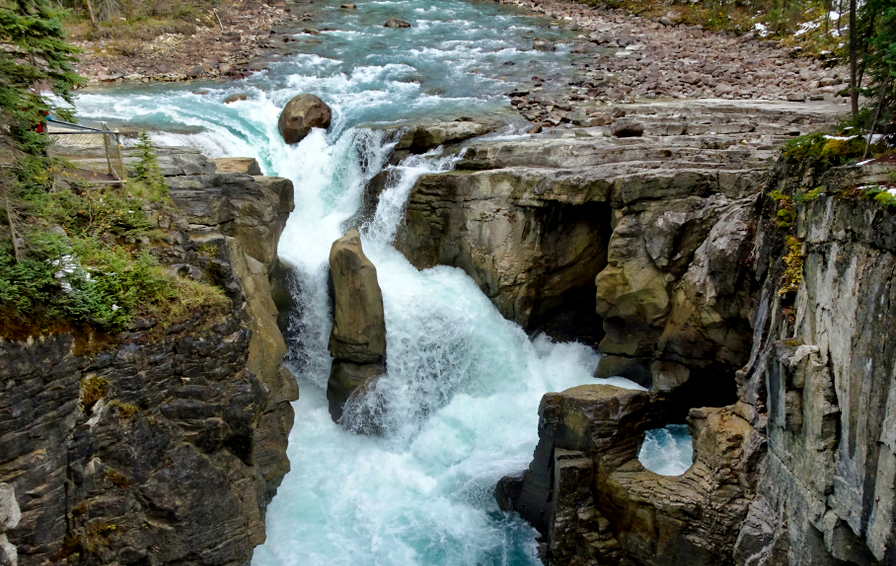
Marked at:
<point>125,411</point>
<point>117,478</point>
<point>83,255</point>
<point>92,390</point>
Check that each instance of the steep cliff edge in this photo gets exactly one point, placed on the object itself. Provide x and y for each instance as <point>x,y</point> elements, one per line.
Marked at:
<point>800,469</point>
<point>821,384</point>
<point>166,445</point>
<point>638,243</point>
<point>770,335</point>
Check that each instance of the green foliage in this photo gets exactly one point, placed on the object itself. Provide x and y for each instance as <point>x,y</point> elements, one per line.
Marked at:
<point>793,272</point>
<point>86,281</point>
<point>92,390</point>
<point>824,150</point>
<point>881,194</point>
<point>808,196</point>
<point>873,43</point>
<point>34,53</point>
<point>125,411</point>
<point>786,213</point>
<point>147,169</point>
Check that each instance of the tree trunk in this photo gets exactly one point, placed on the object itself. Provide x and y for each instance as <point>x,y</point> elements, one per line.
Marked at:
<point>93,17</point>
<point>12,226</point>
<point>853,49</point>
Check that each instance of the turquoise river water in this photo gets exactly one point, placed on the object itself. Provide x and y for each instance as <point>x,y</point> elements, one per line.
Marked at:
<point>463,384</point>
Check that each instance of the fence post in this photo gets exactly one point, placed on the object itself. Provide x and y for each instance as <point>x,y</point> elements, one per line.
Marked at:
<point>106,144</point>
<point>124,175</point>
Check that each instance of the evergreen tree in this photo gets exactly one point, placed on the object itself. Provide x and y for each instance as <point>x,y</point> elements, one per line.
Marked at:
<point>147,168</point>
<point>34,55</point>
<point>873,53</point>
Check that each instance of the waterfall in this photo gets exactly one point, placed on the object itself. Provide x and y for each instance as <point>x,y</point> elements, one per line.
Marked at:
<point>460,398</point>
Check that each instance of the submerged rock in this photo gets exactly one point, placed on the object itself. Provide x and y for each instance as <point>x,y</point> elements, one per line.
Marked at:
<point>358,338</point>
<point>300,114</point>
<point>396,23</point>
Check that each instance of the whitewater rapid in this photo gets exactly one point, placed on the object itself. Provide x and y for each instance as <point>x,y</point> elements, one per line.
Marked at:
<point>463,384</point>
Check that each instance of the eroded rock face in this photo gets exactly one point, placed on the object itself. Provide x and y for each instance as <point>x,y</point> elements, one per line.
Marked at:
<point>527,252</point>
<point>358,338</point>
<point>300,114</point>
<point>800,469</point>
<point>656,229</point>
<point>821,385</point>
<point>597,505</point>
<point>10,515</point>
<point>181,448</point>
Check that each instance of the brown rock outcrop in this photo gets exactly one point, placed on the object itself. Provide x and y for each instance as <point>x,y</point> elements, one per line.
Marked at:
<point>167,446</point>
<point>246,165</point>
<point>358,338</point>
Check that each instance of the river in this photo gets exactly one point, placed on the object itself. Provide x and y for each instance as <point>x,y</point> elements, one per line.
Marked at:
<point>463,384</point>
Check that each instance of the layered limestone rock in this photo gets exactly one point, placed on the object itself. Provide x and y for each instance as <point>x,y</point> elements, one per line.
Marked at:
<point>821,384</point>
<point>419,138</point>
<point>163,444</point>
<point>637,242</point>
<point>358,338</point>
<point>530,255</point>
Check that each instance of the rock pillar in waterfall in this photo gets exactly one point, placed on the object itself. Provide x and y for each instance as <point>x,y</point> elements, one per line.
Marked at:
<point>358,338</point>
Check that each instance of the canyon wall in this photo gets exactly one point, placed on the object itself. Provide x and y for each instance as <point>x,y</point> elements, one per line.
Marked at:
<point>788,387</point>
<point>637,243</point>
<point>821,386</point>
<point>163,444</point>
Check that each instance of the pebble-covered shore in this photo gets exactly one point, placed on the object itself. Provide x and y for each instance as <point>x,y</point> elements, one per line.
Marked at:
<point>638,59</point>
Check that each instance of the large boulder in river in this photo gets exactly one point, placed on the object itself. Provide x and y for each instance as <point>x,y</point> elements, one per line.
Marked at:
<point>358,338</point>
<point>302,113</point>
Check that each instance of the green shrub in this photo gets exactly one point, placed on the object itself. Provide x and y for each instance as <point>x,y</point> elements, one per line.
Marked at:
<point>824,150</point>
<point>793,272</point>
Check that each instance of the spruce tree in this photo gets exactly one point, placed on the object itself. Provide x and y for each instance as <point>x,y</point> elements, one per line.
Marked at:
<point>147,169</point>
<point>35,56</point>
